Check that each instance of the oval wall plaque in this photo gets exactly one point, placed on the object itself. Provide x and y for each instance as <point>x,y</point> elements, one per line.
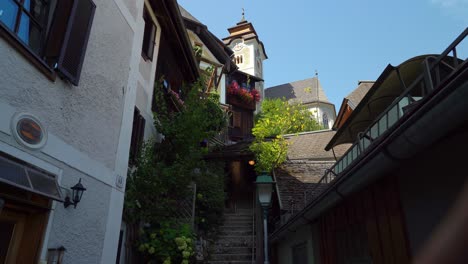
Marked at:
<point>28,131</point>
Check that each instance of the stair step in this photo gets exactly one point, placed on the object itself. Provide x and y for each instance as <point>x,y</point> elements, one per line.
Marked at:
<point>220,244</point>
<point>236,225</point>
<point>236,220</point>
<point>244,230</point>
<point>230,262</point>
<point>232,250</point>
<point>231,256</point>
<point>236,232</point>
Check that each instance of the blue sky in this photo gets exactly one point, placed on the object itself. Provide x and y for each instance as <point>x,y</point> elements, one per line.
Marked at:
<point>345,41</point>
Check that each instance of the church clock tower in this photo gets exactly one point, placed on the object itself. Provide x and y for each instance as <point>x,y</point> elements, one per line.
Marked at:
<point>249,52</point>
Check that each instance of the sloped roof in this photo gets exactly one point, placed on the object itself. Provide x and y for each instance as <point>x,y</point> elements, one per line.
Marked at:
<point>304,91</point>
<point>239,150</point>
<point>357,94</point>
<point>382,94</point>
<point>306,164</point>
<point>311,146</point>
<point>187,15</point>
<point>298,179</point>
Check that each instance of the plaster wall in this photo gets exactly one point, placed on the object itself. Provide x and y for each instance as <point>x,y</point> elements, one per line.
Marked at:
<point>81,230</point>
<point>318,111</point>
<point>89,129</point>
<point>286,245</point>
<point>89,116</point>
<point>146,74</point>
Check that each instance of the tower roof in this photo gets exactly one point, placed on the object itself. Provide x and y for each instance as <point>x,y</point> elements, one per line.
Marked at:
<point>245,31</point>
<point>304,91</point>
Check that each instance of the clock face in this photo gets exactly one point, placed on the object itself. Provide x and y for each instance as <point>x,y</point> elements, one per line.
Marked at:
<point>238,46</point>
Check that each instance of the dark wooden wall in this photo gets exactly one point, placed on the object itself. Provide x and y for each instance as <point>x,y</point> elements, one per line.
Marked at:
<point>366,227</point>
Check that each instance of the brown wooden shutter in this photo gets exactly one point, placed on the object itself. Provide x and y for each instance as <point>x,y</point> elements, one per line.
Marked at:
<point>76,40</point>
<point>138,133</point>
<point>57,31</point>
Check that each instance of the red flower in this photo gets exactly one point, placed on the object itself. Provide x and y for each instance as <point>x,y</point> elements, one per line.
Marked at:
<point>255,95</point>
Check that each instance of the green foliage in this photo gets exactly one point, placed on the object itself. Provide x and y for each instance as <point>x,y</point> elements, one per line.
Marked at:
<point>165,170</point>
<point>168,244</point>
<point>278,117</point>
<point>197,50</point>
<point>269,154</point>
<point>210,197</point>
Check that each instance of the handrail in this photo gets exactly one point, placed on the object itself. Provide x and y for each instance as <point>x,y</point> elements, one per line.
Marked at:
<point>400,104</point>
<point>254,206</point>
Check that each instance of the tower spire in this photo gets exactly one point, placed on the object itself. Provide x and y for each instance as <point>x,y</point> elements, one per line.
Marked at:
<point>243,15</point>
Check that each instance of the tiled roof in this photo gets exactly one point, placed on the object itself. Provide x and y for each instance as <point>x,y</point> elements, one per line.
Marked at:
<point>311,145</point>
<point>356,96</point>
<point>297,180</point>
<point>307,161</point>
<point>305,91</point>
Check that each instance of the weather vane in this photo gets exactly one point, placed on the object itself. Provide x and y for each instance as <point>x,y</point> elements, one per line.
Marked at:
<point>243,14</point>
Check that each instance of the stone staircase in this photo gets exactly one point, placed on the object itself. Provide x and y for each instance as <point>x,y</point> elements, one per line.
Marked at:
<point>234,245</point>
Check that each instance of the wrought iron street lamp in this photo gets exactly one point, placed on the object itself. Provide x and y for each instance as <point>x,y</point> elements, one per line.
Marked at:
<point>77,193</point>
<point>264,183</point>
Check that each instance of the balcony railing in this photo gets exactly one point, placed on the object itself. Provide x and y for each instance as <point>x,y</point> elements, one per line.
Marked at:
<point>436,72</point>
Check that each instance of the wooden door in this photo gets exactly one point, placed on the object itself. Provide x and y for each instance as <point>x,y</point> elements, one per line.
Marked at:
<point>11,234</point>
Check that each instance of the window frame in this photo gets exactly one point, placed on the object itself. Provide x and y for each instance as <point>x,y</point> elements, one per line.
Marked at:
<point>12,37</point>
<point>150,43</point>
<point>325,118</point>
<point>39,59</point>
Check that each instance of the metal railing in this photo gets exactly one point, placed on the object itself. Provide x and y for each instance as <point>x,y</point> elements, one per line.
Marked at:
<point>436,71</point>
<point>254,207</point>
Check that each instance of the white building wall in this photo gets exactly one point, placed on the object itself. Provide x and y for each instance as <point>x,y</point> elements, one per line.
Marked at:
<point>89,128</point>
<point>319,110</point>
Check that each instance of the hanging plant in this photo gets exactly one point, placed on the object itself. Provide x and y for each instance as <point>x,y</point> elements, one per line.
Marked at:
<point>243,94</point>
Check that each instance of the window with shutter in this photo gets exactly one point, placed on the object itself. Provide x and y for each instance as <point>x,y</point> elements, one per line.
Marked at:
<point>149,37</point>
<point>138,133</point>
<point>51,34</point>
<point>76,39</point>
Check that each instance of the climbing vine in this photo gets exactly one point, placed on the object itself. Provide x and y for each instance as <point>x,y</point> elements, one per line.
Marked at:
<point>165,169</point>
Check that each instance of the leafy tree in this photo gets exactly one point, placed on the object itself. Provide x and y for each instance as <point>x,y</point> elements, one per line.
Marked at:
<point>277,118</point>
